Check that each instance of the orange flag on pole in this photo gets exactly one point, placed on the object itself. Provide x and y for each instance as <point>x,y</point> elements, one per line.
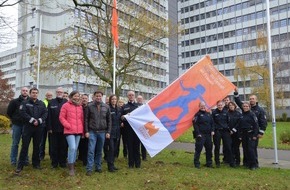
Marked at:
<point>115,24</point>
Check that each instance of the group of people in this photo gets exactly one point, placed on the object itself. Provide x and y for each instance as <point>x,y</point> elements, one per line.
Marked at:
<point>76,129</point>
<point>227,124</point>
<point>79,129</point>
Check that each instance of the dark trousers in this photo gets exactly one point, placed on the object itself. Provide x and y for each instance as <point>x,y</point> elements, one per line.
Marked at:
<point>30,132</point>
<point>249,146</point>
<point>236,142</point>
<point>133,149</point>
<point>124,136</point>
<point>83,150</point>
<point>143,152</point>
<point>256,152</point>
<point>225,136</point>
<point>58,147</point>
<point>204,141</point>
<point>43,143</point>
<point>109,150</point>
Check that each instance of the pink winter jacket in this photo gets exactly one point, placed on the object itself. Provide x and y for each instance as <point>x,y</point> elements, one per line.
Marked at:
<point>72,118</point>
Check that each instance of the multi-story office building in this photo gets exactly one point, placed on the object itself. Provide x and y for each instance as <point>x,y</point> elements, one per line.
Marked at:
<point>226,30</point>
<point>59,17</point>
<point>8,66</point>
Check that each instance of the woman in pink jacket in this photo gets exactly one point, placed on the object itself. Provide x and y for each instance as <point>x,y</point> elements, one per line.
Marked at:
<point>72,118</point>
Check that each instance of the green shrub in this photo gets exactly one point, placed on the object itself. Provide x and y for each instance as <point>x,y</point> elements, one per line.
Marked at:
<point>284,117</point>
<point>285,137</point>
<point>4,124</point>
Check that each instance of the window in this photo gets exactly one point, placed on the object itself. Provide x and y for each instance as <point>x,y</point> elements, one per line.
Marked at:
<point>33,30</point>
<point>283,23</point>
<point>33,11</point>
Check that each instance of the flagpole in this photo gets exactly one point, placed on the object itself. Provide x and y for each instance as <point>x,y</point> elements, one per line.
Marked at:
<point>39,48</point>
<point>114,69</point>
<point>271,81</point>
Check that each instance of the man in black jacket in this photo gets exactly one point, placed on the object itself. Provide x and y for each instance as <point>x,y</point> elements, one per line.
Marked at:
<point>57,140</point>
<point>34,113</point>
<point>17,124</point>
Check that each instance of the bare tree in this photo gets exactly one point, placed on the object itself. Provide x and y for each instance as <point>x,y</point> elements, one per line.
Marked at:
<point>8,3</point>
<point>256,71</point>
<point>140,34</point>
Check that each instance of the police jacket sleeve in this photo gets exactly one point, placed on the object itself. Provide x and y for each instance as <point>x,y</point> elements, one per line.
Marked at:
<point>238,100</point>
<point>213,120</point>
<point>11,108</point>
<point>109,120</point>
<point>212,123</point>
<point>43,114</point>
<point>236,127</point>
<point>196,125</point>
<point>262,121</point>
<point>24,113</point>
<point>255,125</point>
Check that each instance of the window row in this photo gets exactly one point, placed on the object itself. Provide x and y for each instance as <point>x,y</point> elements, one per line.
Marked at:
<point>8,57</point>
<point>256,15</point>
<point>11,64</point>
<point>239,32</point>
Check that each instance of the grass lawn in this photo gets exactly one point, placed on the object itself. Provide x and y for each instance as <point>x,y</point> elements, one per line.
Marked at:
<point>167,170</point>
<point>265,142</point>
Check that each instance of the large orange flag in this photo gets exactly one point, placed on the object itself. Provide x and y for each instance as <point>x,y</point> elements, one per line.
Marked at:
<point>115,24</point>
<point>169,114</point>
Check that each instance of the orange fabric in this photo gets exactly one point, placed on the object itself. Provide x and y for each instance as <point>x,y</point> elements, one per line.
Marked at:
<point>115,24</point>
<point>176,105</point>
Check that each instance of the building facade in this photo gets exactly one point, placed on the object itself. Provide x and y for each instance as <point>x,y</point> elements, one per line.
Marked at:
<point>228,30</point>
<point>61,17</point>
<point>8,66</point>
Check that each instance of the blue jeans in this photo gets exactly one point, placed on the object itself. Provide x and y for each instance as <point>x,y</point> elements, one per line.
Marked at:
<point>16,136</point>
<point>96,143</point>
<point>73,143</point>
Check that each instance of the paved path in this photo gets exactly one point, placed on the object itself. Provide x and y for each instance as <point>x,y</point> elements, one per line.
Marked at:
<point>266,156</point>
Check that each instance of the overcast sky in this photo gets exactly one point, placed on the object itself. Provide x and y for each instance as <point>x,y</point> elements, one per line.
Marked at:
<point>11,13</point>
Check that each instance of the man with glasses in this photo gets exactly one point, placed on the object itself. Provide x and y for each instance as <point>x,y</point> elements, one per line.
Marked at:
<point>57,140</point>
<point>133,141</point>
<point>17,124</point>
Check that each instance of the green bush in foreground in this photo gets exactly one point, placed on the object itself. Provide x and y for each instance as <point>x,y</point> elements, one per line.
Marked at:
<point>4,124</point>
<point>285,137</point>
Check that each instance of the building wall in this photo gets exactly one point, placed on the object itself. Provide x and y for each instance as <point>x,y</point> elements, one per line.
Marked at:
<point>173,41</point>
<point>8,66</point>
<point>227,29</point>
<point>59,16</point>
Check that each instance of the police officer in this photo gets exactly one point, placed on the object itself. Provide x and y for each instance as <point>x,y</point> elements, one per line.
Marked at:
<point>34,113</point>
<point>234,119</point>
<point>248,133</point>
<point>57,142</point>
<point>222,132</point>
<point>260,114</point>
<point>133,141</point>
<point>143,149</point>
<point>203,131</point>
